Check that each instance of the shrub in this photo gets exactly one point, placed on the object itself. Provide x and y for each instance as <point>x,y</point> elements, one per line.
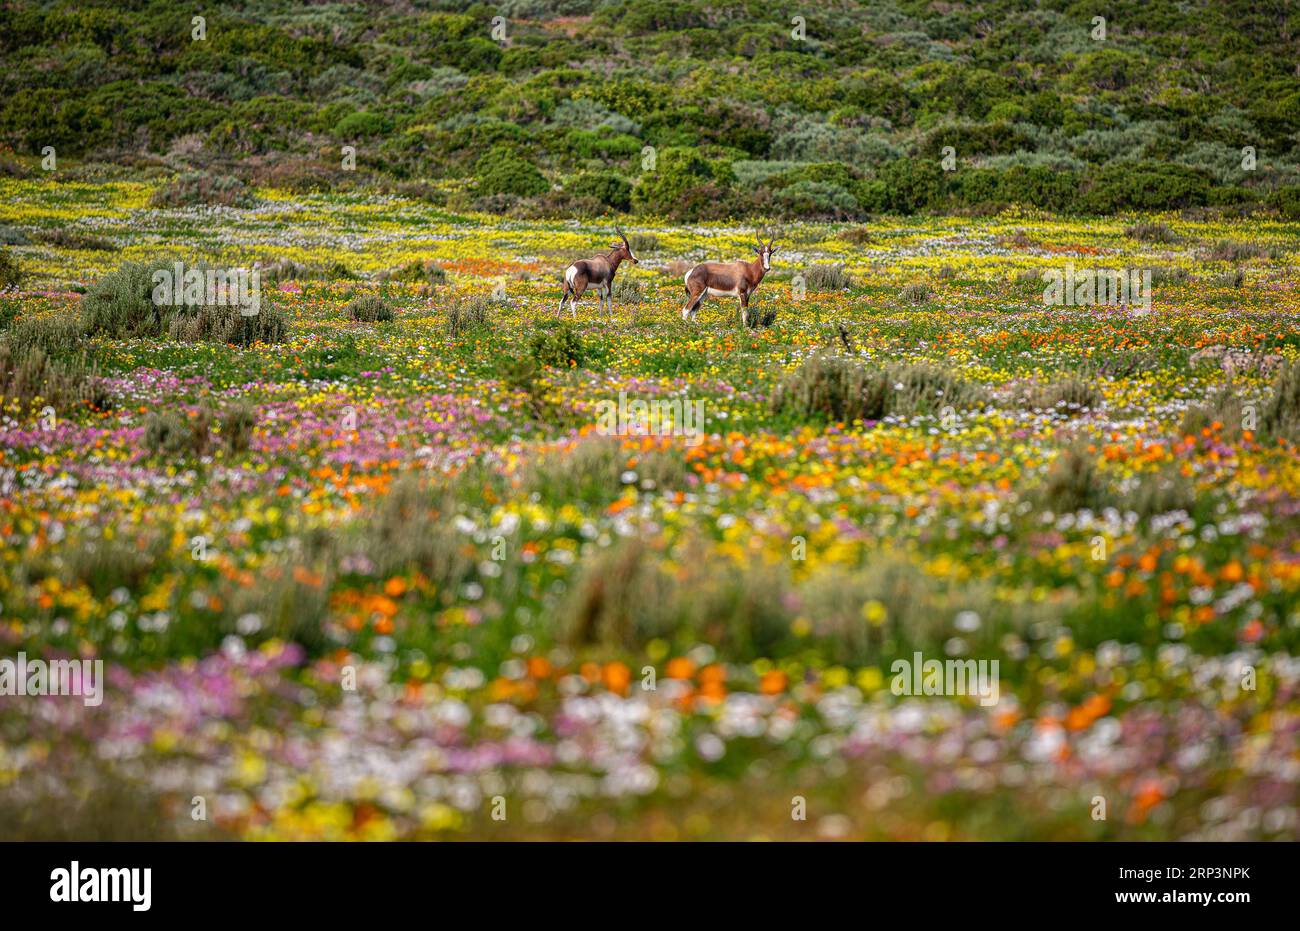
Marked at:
<point>631,594</point>
<point>1281,415</point>
<point>370,308</point>
<point>628,290</point>
<point>1228,250</point>
<point>121,305</point>
<point>1159,492</point>
<point>423,272</point>
<point>301,176</point>
<point>1073,482</point>
<point>817,200</point>
<point>12,236</point>
<point>218,324</point>
<point>1287,201</point>
<point>917,293</point>
<point>597,469</point>
<point>177,435</point>
<point>11,273</point>
<point>58,335</point>
<point>827,278</point>
<point>838,389</point>
<point>606,188</point>
<point>30,379</point>
<point>407,530</point>
<point>1226,410</point>
<point>200,189</point>
<point>560,347</point>
<point>468,313</point>
<point>74,239</point>
<point>643,243</point>
<point>287,269</point>
<point>905,186</point>
<point>684,185</point>
<point>1143,186</point>
<point>1069,396</point>
<point>1165,274</point>
<point>1151,232</point>
<point>502,172</point>
<point>236,425</point>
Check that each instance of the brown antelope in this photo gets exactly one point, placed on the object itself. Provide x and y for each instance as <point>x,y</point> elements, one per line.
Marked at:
<point>739,279</point>
<point>598,271</point>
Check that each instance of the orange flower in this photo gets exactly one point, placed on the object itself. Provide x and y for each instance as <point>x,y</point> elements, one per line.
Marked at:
<point>617,677</point>
<point>1149,795</point>
<point>773,682</point>
<point>539,667</point>
<point>395,586</point>
<point>679,667</point>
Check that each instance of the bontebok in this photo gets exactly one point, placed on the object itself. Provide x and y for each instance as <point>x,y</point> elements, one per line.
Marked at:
<point>597,272</point>
<point>738,279</point>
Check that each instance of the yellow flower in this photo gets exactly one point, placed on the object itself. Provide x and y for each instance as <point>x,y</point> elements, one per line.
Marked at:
<point>874,613</point>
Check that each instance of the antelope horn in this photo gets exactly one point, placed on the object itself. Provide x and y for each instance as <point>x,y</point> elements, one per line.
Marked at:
<point>620,233</point>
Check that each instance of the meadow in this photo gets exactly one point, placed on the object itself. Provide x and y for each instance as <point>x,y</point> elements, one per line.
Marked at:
<point>368,568</point>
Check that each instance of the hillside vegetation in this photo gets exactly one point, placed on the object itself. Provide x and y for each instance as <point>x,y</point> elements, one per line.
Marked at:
<point>680,109</point>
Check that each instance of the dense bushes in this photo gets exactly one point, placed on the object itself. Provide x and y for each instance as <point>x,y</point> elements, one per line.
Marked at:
<point>199,189</point>
<point>369,308</point>
<point>11,272</point>
<point>827,387</point>
<point>855,120</point>
<point>503,172</point>
<point>122,304</point>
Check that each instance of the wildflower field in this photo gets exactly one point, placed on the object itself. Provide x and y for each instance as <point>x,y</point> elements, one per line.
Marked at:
<point>372,570</point>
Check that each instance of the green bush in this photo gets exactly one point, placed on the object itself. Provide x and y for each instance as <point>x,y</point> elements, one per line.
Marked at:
<point>466,314</point>
<point>424,272</point>
<point>560,347</point>
<point>200,189</point>
<point>827,387</point>
<point>1281,415</point>
<point>1143,186</point>
<point>1151,232</point>
<point>1287,201</point>
<point>74,239</point>
<point>816,200</point>
<point>827,278</point>
<point>32,379</point>
<point>11,272</point>
<point>218,324</point>
<point>1069,396</point>
<point>917,293</point>
<point>684,185</point>
<point>503,172</point>
<point>1073,482</point>
<point>121,304</point>
<point>369,308</point>
<point>611,190</point>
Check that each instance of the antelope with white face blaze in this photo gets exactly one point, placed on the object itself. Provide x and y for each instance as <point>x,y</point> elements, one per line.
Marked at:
<point>598,272</point>
<point>738,279</point>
